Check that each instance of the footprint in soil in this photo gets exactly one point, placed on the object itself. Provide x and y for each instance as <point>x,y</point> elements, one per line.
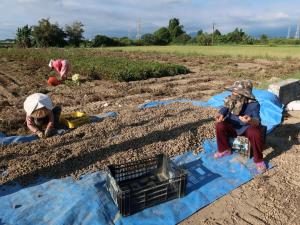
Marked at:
<point>4,103</point>
<point>80,135</point>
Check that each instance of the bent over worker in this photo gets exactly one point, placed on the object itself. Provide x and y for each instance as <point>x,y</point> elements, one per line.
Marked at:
<point>41,116</point>
<point>240,116</point>
<point>61,66</point>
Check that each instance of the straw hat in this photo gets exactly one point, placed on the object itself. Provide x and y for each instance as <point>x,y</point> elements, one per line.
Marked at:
<point>243,87</point>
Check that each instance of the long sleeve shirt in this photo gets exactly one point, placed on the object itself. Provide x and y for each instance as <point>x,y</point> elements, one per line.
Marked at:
<point>57,65</point>
<point>251,109</point>
<point>33,127</point>
<point>62,67</point>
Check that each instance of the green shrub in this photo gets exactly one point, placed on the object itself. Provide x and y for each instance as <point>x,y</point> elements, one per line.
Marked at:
<point>92,66</point>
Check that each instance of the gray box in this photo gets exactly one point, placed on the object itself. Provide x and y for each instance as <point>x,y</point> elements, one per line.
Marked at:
<point>286,90</point>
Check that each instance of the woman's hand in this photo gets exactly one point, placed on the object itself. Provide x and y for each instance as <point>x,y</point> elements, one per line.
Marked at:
<point>248,120</point>
<point>48,132</point>
<point>39,134</point>
<point>245,119</point>
<point>219,118</point>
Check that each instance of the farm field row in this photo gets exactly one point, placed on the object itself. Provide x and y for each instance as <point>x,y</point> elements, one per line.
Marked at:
<point>256,51</point>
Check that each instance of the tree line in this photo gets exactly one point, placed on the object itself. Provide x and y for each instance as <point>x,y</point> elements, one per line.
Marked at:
<point>47,34</point>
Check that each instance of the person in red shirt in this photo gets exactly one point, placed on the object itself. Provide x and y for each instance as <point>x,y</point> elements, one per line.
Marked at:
<point>61,66</point>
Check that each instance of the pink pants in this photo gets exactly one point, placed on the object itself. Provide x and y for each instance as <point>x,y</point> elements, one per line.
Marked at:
<point>225,130</point>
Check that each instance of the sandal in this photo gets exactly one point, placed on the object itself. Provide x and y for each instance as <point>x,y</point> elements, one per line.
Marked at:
<point>261,167</point>
<point>218,155</point>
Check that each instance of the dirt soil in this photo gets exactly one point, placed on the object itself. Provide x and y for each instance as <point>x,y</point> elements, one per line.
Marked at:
<point>272,198</point>
<point>171,129</point>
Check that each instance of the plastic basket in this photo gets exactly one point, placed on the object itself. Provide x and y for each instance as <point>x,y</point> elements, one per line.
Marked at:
<point>241,145</point>
<point>75,119</point>
<point>141,184</point>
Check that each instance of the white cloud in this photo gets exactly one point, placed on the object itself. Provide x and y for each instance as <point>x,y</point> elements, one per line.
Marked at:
<point>26,1</point>
<point>117,16</point>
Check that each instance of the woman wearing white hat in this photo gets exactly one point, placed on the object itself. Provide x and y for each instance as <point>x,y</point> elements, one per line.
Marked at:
<point>40,114</point>
<point>61,66</point>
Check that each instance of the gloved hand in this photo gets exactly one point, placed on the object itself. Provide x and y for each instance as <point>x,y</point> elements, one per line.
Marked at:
<point>48,132</point>
<point>39,134</point>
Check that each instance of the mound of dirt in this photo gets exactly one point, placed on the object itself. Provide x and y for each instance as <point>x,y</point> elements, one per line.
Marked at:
<point>172,129</point>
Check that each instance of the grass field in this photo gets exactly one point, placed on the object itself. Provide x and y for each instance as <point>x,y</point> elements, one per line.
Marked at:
<point>95,64</point>
<point>255,51</point>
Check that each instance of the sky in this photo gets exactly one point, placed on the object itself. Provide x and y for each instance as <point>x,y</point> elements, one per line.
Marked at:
<point>119,17</point>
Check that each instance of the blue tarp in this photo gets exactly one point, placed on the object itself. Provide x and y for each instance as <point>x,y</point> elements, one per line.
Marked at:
<point>270,107</point>
<point>86,201</point>
<point>4,140</point>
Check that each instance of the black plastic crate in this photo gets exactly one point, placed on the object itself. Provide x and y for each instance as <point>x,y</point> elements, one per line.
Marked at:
<point>141,184</point>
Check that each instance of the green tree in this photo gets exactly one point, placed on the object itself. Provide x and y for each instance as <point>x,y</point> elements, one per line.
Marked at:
<point>182,39</point>
<point>217,33</point>
<point>204,39</point>
<point>103,41</point>
<point>149,39</point>
<point>46,34</point>
<point>199,32</point>
<point>264,39</point>
<point>237,36</point>
<point>175,28</point>
<point>163,36</point>
<point>125,41</point>
<point>23,37</point>
<point>74,33</point>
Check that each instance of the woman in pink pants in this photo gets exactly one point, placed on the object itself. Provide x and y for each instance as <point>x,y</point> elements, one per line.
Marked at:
<point>61,66</point>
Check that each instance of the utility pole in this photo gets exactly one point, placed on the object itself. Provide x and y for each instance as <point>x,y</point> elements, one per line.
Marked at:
<point>138,29</point>
<point>289,33</point>
<point>128,34</point>
<point>297,32</point>
<point>212,36</point>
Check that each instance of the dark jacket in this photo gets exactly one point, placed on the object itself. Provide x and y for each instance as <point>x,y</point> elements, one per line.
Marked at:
<point>251,109</point>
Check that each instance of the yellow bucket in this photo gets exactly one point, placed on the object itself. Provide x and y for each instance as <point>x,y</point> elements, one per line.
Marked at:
<point>75,119</point>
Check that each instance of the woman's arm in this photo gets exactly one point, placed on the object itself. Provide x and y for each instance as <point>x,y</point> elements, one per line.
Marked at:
<point>51,120</point>
<point>30,124</point>
<point>254,117</point>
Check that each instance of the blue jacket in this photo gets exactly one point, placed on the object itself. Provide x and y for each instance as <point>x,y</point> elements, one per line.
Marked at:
<point>251,109</point>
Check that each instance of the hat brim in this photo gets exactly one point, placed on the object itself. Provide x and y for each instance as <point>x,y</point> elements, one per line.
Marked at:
<point>38,113</point>
<point>231,88</point>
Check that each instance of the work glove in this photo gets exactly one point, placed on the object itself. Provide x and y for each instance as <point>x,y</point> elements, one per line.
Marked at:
<point>48,132</point>
<point>39,134</point>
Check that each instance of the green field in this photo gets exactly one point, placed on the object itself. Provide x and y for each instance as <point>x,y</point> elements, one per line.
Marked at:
<point>95,64</point>
<point>255,51</point>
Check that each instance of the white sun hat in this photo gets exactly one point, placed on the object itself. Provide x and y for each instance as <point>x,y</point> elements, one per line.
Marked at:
<point>37,101</point>
<point>50,63</point>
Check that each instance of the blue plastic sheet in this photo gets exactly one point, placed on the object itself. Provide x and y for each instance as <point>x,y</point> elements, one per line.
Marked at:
<point>270,107</point>
<point>58,201</point>
<point>16,139</point>
<point>4,140</point>
<point>86,201</point>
